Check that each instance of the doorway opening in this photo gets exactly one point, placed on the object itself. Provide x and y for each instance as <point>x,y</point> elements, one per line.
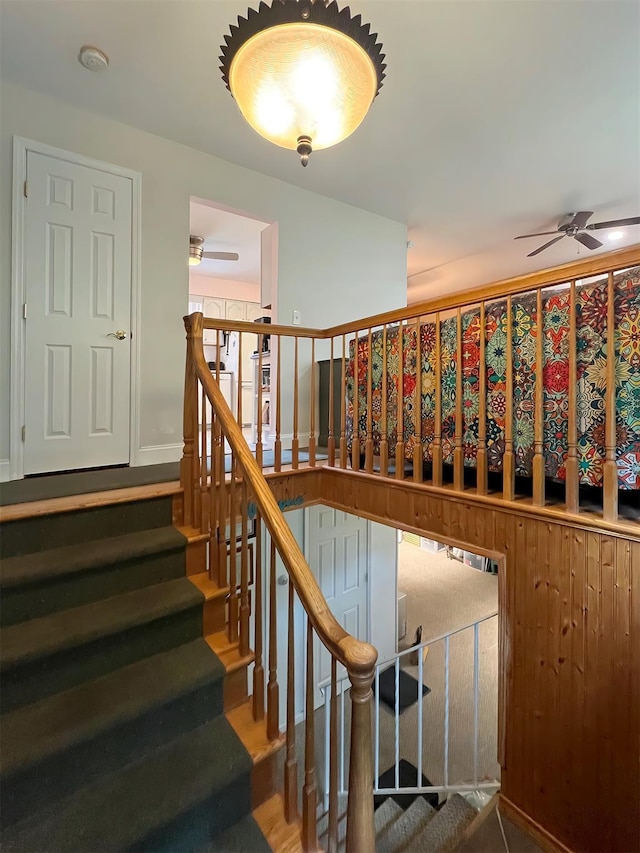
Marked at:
<point>448,613</point>
<point>236,288</point>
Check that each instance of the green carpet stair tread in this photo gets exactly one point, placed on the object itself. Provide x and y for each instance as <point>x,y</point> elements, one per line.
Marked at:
<point>44,637</point>
<point>69,559</point>
<point>43,533</point>
<point>200,769</point>
<point>38,584</point>
<point>244,836</point>
<point>54,653</point>
<point>59,758</point>
<point>444,831</point>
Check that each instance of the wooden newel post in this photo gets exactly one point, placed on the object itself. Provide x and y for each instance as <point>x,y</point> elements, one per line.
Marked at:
<point>360,827</point>
<point>190,462</point>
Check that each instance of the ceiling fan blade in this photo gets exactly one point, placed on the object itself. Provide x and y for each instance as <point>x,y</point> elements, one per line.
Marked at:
<point>539,234</point>
<point>615,223</point>
<point>580,219</point>
<point>546,246</point>
<point>588,241</point>
<point>221,256</point>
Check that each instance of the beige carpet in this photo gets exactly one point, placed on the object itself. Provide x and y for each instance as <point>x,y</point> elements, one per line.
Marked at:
<point>442,595</point>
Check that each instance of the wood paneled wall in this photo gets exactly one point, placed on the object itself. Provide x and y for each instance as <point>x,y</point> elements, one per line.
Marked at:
<point>571,598</point>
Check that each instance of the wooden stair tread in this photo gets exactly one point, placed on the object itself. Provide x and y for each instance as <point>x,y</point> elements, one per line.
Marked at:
<point>281,836</point>
<point>228,652</point>
<point>253,734</point>
<point>207,587</point>
<point>192,534</point>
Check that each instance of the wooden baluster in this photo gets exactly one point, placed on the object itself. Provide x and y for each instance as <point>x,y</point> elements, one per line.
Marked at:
<point>437,432</point>
<point>572,497</point>
<point>190,405</point>
<point>331,439</point>
<point>196,332</point>
<point>239,381</point>
<point>291,764</point>
<point>417,410</point>
<point>538,446</point>
<point>309,794</point>
<point>213,503</point>
<point>245,611</point>
<point>355,442</point>
<point>295,444</point>
<point>273,694</point>
<point>234,603</point>
<point>204,520</point>
<point>482,481</point>
<point>360,829</point>
<point>343,407</point>
<point>368,447</point>
<point>508,467</point>
<point>258,667</point>
<point>312,412</point>
<point>610,467</point>
<point>333,763</point>
<point>259,406</point>
<point>384,438</point>
<point>223,512</point>
<point>458,451</point>
<point>277,447</point>
<point>400,407</point>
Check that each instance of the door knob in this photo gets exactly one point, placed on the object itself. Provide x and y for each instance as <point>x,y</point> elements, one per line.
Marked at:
<point>283,580</point>
<point>120,334</point>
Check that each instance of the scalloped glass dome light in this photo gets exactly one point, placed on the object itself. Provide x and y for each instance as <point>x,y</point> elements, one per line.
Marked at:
<point>303,73</point>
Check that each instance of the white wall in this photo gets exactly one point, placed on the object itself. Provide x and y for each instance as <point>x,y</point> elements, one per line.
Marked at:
<point>335,262</point>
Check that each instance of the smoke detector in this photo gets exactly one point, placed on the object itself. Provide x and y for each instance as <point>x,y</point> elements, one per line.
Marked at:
<point>93,59</point>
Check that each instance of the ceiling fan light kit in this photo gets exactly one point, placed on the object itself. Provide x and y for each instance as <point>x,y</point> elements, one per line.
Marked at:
<point>575,225</point>
<point>302,72</point>
<point>197,253</point>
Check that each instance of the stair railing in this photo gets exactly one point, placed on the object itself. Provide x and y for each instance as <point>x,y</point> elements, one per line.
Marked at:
<point>221,477</point>
<point>336,734</point>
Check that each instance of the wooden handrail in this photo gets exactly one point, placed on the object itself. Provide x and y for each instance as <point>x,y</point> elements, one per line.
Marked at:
<point>597,265</point>
<point>357,656</point>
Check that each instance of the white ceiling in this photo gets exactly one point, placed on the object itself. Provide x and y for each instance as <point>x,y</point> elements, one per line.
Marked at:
<point>496,116</point>
<point>227,232</point>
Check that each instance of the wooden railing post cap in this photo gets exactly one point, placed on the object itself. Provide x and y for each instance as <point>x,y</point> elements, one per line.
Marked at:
<point>359,658</point>
<point>193,324</point>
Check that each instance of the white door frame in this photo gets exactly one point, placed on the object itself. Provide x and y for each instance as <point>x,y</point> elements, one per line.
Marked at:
<point>21,147</point>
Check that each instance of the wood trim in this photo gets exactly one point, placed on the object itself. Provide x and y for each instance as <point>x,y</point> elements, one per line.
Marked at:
<point>543,839</point>
<point>522,506</point>
<point>480,818</point>
<point>71,503</point>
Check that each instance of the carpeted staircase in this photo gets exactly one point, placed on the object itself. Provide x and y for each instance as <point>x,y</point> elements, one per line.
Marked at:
<point>113,731</point>
<point>420,828</point>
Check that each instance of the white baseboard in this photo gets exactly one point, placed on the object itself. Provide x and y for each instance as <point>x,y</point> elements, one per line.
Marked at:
<point>157,454</point>
<point>4,471</point>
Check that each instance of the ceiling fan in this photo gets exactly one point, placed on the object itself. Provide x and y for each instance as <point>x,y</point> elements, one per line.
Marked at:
<point>574,225</point>
<point>196,252</point>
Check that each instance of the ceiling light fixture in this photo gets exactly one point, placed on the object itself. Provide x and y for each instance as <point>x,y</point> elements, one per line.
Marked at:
<point>195,250</point>
<point>616,235</point>
<point>302,72</point>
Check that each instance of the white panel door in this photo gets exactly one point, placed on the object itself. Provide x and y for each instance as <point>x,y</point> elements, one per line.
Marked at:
<point>337,547</point>
<point>78,295</point>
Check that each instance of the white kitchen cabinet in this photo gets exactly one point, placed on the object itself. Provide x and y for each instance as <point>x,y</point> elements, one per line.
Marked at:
<point>235,309</point>
<point>214,308</point>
